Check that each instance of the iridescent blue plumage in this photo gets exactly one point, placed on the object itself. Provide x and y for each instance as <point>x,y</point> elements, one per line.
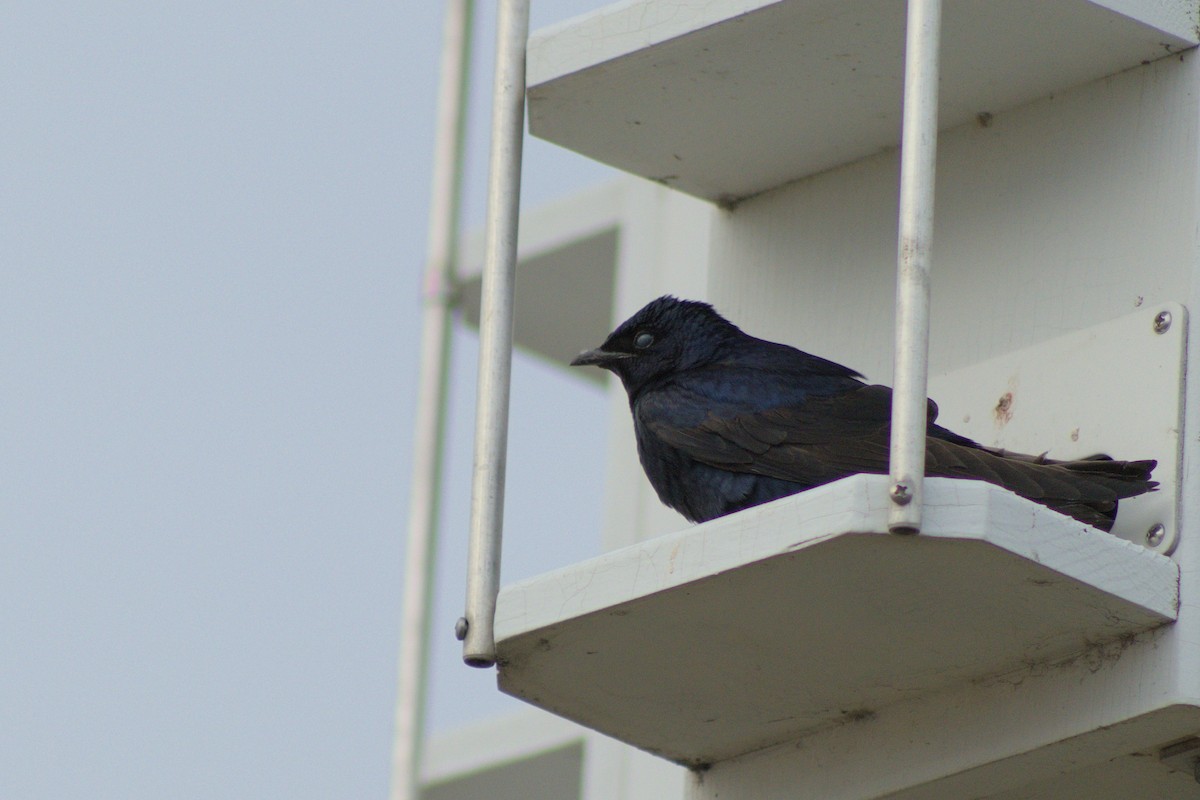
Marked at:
<point>725,421</point>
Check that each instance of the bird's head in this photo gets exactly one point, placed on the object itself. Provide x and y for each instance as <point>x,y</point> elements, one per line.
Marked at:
<point>666,336</point>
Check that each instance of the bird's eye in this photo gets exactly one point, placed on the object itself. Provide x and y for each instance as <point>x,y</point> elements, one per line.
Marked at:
<point>643,340</point>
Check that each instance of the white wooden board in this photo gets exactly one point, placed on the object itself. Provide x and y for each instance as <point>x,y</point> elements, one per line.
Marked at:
<point>725,99</point>
<point>756,628</point>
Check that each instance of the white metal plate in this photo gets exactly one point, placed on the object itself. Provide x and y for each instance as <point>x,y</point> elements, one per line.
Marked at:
<point>1114,388</point>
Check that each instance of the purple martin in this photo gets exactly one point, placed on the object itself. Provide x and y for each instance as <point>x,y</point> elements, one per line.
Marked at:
<point>725,421</point>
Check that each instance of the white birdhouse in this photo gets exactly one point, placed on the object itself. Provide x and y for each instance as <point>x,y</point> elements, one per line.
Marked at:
<point>799,649</point>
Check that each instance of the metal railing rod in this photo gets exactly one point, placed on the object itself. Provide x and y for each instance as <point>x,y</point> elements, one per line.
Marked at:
<point>495,335</point>
<point>438,296</point>
<point>918,156</point>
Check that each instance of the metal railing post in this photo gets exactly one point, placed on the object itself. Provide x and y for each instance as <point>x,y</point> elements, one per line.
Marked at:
<point>918,156</point>
<point>438,295</point>
<point>495,335</point>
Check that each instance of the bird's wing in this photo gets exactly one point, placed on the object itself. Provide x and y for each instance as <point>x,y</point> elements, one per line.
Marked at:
<point>813,441</point>
<point>825,438</point>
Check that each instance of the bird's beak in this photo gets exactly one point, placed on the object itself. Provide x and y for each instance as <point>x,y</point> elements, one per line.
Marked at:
<point>597,358</point>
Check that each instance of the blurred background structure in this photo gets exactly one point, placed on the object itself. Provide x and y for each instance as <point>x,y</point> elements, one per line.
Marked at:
<point>214,220</point>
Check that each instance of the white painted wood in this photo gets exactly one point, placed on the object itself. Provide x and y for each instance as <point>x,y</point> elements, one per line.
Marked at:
<point>1012,738</point>
<point>1040,230</point>
<point>802,614</point>
<point>727,99</point>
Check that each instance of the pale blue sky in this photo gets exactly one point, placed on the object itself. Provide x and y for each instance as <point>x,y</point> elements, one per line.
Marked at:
<point>213,221</point>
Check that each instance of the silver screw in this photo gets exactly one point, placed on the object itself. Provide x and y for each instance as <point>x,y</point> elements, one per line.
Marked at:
<point>901,494</point>
<point>1162,322</point>
<point>1156,534</point>
<point>460,628</point>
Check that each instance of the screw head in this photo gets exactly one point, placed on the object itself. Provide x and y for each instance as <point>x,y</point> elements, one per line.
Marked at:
<point>460,628</point>
<point>900,493</point>
<point>1156,534</point>
<point>1162,322</point>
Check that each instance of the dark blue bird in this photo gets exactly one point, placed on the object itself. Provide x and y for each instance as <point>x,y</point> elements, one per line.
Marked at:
<point>725,421</point>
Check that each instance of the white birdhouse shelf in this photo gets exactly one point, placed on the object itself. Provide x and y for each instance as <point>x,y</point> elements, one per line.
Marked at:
<point>804,613</point>
<point>726,99</point>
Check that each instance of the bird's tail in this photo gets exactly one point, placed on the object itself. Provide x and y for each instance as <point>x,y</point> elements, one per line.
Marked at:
<point>1123,478</point>
<point>1087,489</point>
